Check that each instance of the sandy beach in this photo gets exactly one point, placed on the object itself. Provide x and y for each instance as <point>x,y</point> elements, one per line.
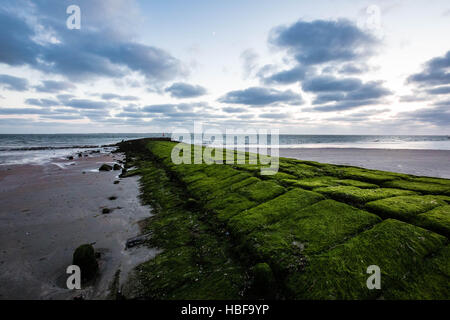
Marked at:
<point>431,163</point>
<point>49,210</point>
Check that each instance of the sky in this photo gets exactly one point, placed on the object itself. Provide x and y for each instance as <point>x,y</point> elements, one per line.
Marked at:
<point>303,67</point>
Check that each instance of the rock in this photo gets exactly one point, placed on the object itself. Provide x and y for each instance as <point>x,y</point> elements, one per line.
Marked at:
<point>70,158</point>
<point>106,210</point>
<point>191,204</point>
<point>105,167</point>
<point>112,198</point>
<point>132,242</point>
<point>117,167</point>
<point>116,182</point>
<point>263,279</point>
<point>79,155</point>
<point>84,257</point>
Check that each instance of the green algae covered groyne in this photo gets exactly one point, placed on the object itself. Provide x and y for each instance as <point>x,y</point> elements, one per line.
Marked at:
<point>309,231</point>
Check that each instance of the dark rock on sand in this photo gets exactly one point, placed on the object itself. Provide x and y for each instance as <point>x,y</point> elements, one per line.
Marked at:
<point>116,182</point>
<point>84,257</point>
<point>106,210</point>
<point>70,158</point>
<point>112,198</point>
<point>191,204</point>
<point>105,167</point>
<point>117,167</point>
<point>132,242</point>
<point>263,279</point>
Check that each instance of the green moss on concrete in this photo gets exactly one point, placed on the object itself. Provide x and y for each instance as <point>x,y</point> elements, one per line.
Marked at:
<point>366,175</point>
<point>273,210</point>
<point>358,196</point>
<point>405,207</point>
<point>437,220</point>
<point>422,187</point>
<point>219,225</point>
<point>229,205</point>
<point>310,183</point>
<point>426,281</point>
<point>262,191</point>
<point>310,230</point>
<point>356,183</point>
<point>396,247</point>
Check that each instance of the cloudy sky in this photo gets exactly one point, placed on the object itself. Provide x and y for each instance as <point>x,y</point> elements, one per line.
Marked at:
<point>308,67</point>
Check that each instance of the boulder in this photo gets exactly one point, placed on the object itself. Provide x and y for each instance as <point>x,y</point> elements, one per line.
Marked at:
<point>263,280</point>
<point>105,167</point>
<point>84,257</point>
<point>117,167</point>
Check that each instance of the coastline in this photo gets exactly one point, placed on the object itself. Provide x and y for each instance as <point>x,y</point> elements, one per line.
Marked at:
<point>197,239</point>
<point>49,210</point>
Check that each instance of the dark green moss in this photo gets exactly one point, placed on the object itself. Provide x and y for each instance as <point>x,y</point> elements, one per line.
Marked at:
<point>358,196</point>
<point>423,187</point>
<point>225,227</point>
<point>404,207</point>
<point>437,220</point>
<point>273,210</point>
<point>396,247</point>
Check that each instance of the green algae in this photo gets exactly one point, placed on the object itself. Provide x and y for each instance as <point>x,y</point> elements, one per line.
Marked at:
<point>422,187</point>
<point>358,196</point>
<point>310,230</point>
<point>437,220</point>
<point>273,210</point>
<point>340,273</point>
<point>228,232</point>
<point>404,207</point>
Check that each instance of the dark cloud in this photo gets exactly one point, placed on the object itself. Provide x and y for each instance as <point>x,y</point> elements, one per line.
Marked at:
<point>51,86</point>
<point>234,110</point>
<point>160,108</point>
<point>259,96</point>
<point>112,96</point>
<point>98,50</point>
<point>351,68</point>
<point>345,93</point>
<point>323,41</point>
<point>23,111</point>
<point>13,83</point>
<point>287,76</point>
<point>88,104</point>
<point>274,115</point>
<point>330,84</point>
<point>42,102</point>
<point>439,116</point>
<point>439,90</point>
<point>435,72</point>
<point>17,46</point>
<point>185,90</point>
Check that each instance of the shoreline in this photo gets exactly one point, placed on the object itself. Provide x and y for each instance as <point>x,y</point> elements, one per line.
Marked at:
<point>49,210</point>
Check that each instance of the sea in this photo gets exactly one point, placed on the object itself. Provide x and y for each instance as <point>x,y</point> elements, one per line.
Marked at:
<point>42,148</point>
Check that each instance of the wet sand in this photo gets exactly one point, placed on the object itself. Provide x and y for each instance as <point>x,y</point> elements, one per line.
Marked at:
<point>431,163</point>
<point>47,211</point>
